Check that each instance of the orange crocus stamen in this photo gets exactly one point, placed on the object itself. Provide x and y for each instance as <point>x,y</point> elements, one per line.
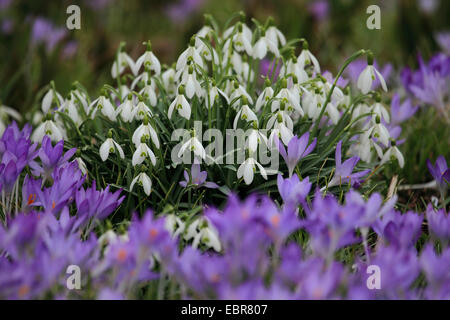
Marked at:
<point>31,199</point>
<point>122,255</point>
<point>23,291</point>
<point>153,233</point>
<point>275,219</point>
<point>53,204</point>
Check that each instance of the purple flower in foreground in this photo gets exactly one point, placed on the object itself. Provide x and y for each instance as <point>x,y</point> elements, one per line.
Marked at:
<point>436,269</point>
<point>343,173</point>
<point>439,223</point>
<point>441,173</point>
<point>297,149</point>
<point>197,179</point>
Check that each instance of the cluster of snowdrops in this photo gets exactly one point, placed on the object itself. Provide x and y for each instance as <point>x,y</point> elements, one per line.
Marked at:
<point>76,188</point>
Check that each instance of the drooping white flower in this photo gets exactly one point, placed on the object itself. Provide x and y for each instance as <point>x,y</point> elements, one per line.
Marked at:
<point>105,106</point>
<point>239,92</point>
<point>255,138</point>
<point>122,61</point>
<point>174,225</point>
<point>393,154</point>
<point>293,67</point>
<point>332,112</point>
<point>191,53</point>
<point>142,152</point>
<point>126,109</point>
<point>191,84</point>
<point>248,168</point>
<point>141,110</point>
<point>48,99</point>
<point>280,130</point>
<point>263,45</point>
<point>264,97</point>
<point>193,144</point>
<point>144,181</point>
<point>149,60</point>
<point>245,113</point>
<point>381,111</point>
<point>306,57</point>
<point>148,92</point>
<point>367,77</point>
<point>280,116</point>
<point>81,165</point>
<point>214,94</point>
<point>69,107</point>
<point>147,131</point>
<point>276,36</point>
<point>209,237</point>
<point>247,32</point>
<point>286,98</point>
<point>181,105</point>
<point>168,79</point>
<point>49,128</point>
<point>240,42</point>
<point>108,147</point>
<point>379,131</point>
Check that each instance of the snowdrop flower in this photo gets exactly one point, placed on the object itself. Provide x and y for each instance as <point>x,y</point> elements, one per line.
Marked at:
<point>265,95</point>
<point>49,98</point>
<point>248,168</point>
<point>149,93</point>
<point>280,116</point>
<point>149,60</point>
<point>69,107</point>
<point>214,92</point>
<point>312,103</point>
<point>245,113</point>
<point>379,131</point>
<point>122,61</point>
<point>81,165</point>
<point>247,32</point>
<point>332,112</point>
<point>105,106</point>
<point>255,138</point>
<point>367,77</point>
<point>240,41</point>
<point>285,97</point>
<point>294,68</point>
<point>141,110</point>
<point>190,53</point>
<point>393,154</point>
<point>181,105</point>
<point>191,84</point>
<point>6,112</point>
<point>280,131</point>
<point>239,92</point>
<point>203,232</point>
<point>205,51</point>
<point>147,131</point>
<point>360,110</point>
<point>143,180</point>
<point>306,58</point>
<point>275,35</point>
<point>168,79</point>
<point>142,152</point>
<point>110,146</point>
<point>48,128</point>
<point>193,144</point>
<point>174,225</point>
<point>126,109</point>
<point>380,110</point>
<point>263,45</point>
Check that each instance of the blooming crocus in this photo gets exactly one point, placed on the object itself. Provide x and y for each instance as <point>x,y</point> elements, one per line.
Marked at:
<point>401,112</point>
<point>367,77</point>
<point>180,104</point>
<point>439,223</point>
<point>197,179</point>
<point>247,169</point>
<point>297,148</point>
<point>343,172</point>
<point>292,190</point>
<point>440,173</point>
<point>144,181</point>
<point>108,147</point>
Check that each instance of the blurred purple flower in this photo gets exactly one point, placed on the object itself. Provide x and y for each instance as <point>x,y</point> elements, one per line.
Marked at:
<point>443,39</point>
<point>439,223</point>
<point>441,173</point>
<point>43,31</point>
<point>401,111</point>
<point>319,9</point>
<point>180,11</point>
<point>267,68</point>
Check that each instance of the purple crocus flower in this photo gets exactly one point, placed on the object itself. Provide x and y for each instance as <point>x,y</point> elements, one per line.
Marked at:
<point>443,39</point>
<point>51,158</point>
<point>439,223</point>
<point>436,272</point>
<point>44,31</point>
<point>401,111</point>
<point>343,173</point>
<point>292,190</point>
<point>197,179</point>
<point>297,149</point>
<point>180,11</point>
<point>319,9</point>
<point>440,173</point>
<point>267,68</point>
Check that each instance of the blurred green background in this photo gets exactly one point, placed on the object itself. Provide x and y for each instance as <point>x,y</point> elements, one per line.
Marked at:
<point>36,47</point>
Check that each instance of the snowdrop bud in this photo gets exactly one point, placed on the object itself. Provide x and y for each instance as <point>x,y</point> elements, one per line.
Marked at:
<point>284,83</point>
<point>236,84</point>
<point>305,45</point>
<point>244,100</point>
<point>110,133</point>
<point>192,41</point>
<point>239,27</point>
<point>377,97</point>
<point>294,79</point>
<point>181,89</point>
<point>267,82</point>
<point>377,119</point>
<point>369,58</point>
